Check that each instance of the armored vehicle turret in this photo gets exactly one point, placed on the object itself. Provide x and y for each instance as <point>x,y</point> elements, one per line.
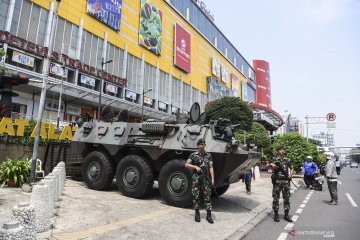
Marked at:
<point>137,154</point>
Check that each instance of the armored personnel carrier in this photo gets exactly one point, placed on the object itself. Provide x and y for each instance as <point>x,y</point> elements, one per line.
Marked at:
<point>138,154</point>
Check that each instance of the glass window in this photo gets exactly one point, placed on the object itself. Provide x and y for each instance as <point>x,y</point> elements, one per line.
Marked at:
<point>16,17</point>
<point>150,80</point>
<point>4,5</point>
<point>42,27</point>
<point>82,46</point>
<point>133,73</point>
<point>73,40</point>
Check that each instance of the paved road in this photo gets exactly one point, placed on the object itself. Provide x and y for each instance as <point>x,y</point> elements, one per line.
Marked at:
<point>314,218</point>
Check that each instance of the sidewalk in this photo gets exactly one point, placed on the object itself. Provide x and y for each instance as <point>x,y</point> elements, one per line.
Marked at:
<point>89,214</point>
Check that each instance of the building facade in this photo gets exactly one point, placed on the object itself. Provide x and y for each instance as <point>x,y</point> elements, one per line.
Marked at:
<point>151,57</point>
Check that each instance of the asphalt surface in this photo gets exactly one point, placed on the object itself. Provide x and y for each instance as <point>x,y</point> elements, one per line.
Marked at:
<point>89,214</point>
<point>315,219</point>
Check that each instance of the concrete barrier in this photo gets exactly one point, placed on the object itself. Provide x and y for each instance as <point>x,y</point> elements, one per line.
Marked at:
<point>12,230</point>
<point>40,199</point>
<point>24,213</point>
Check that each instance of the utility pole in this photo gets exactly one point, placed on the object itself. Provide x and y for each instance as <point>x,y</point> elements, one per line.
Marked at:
<point>61,92</point>
<point>43,94</point>
<point>142,105</point>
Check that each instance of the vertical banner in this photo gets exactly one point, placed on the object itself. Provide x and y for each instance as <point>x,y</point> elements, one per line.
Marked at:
<point>245,96</point>
<point>107,11</point>
<point>150,27</point>
<point>182,51</point>
<point>235,85</point>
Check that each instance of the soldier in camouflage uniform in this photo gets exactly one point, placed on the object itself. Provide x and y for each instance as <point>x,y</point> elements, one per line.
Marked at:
<point>197,162</point>
<point>281,182</point>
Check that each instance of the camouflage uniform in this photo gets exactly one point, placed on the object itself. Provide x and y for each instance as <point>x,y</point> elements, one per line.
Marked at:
<point>199,180</point>
<point>281,184</point>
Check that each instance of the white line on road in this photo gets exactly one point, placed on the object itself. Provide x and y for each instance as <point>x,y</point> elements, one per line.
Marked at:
<point>351,200</point>
<point>305,201</point>
<point>307,198</point>
<point>282,236</point>
<point>295,218</point>
<point>289,226</point>
<point>299,210</point>
<point>312,191</point>
<point>339,182</point>
<point>302,205</point>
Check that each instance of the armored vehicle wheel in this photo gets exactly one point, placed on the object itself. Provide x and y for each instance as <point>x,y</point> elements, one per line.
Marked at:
<point>134,176</point>
<point>97,170</point>
<point>220,190</point>
<point>175,183</point>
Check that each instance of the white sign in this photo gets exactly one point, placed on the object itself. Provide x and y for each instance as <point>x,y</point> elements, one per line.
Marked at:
<point>331,117</point>
<point>111,88</point>
<point>23,59</point>
<point>87,80</point>
<point>162,105</point>
<point>148,100</point>
<point>130,94</point>
<point>73,110</point>
<point>53,106</point>
<point>57,70</point>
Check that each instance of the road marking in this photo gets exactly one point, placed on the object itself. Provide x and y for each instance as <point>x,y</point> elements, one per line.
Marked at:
<point>295,218</point>
<point>302,205</point>
<point>289,226</point>
<point>282,236</point>
<point>339,182</point>
<point>312,191</point>
<point>307,198</point>
<point>299,210</point>
<point>351,200</point>
<point>305,201</point>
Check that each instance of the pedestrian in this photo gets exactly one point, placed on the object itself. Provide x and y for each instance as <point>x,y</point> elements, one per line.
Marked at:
<point>250,174</point>
<point>281,182</point>
<point>338,166</point>
<point>309,168</point>
<point>201,164</point>
<point>331,176</point>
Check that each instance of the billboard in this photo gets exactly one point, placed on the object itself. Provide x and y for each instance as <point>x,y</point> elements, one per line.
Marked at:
<point>216,89</point>
<point>107,11</point>
<point>182,54</point>
<point>235,85</point>
<point>150,27</point>
<point>215,67</point>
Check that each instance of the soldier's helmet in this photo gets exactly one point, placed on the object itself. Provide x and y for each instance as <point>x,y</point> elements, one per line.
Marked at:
<point>281,146</point>
<point>201,141</point>
<point>309,158</point>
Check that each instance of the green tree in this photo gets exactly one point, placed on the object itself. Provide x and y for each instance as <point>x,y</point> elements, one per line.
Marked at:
<point>235,109</point>
<point>297,149</point>
<point>257,135</point>
<point>355,156</point>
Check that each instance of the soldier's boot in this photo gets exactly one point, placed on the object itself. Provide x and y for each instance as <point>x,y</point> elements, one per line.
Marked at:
<point>276,216</point>
<point>197,215</point>
<point>208,217</point>
<point>286,217</point>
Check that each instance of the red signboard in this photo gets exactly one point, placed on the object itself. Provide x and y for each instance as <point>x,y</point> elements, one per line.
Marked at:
<point>182,49</point>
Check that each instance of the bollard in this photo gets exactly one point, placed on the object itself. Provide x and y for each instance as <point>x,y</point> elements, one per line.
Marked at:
<point>24,213</point>
<point>62,177</point>
<point>50,181</point>
<point>257,172</point>
<point>56,176</point>
<point>12,230</point>
<point>40,199</point>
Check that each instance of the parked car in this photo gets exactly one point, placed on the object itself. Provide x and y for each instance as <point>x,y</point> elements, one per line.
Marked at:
<point>354,164</point>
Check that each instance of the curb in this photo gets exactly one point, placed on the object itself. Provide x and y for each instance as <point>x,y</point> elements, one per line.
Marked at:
<point>260,215</point>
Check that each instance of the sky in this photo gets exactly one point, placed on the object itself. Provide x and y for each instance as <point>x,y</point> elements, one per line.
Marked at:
<point>313,48</point>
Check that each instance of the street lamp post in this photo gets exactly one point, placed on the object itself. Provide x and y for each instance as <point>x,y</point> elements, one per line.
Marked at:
<point>102,84</point>
<point>142,105</point>
<point>43,94</point>
<point>61,92</point>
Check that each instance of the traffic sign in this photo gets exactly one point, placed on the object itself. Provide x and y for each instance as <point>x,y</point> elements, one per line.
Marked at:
<point>331,117</point>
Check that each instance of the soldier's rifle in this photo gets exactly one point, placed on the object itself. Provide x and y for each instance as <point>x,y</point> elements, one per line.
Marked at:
<point>282,170</point>
<point>205,172</point>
